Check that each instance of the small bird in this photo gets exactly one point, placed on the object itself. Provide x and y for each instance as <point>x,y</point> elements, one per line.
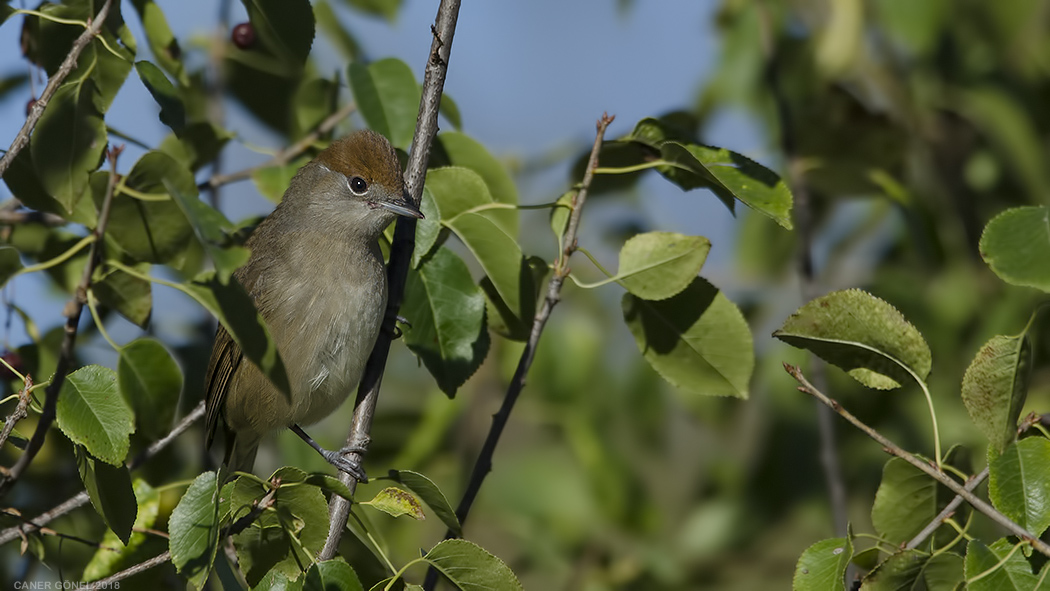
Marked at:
<point>317,277</point>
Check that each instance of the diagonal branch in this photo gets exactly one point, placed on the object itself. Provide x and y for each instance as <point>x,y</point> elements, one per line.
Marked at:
<point>483,464</point>
<point>72,313</point>
<point>22,139</point>
<point>893,449</point>
<point>400,254</point>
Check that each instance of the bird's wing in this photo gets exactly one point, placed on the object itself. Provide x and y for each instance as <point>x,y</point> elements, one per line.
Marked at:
<point>225,358</point>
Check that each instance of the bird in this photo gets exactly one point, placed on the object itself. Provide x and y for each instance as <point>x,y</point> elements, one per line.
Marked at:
<point>316,275</point>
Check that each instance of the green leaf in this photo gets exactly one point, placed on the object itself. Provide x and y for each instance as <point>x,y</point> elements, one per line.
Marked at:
<point>314,100</point>
<point>659,265</point>
<point>906,501</point>
<point>151,383</point>
<point>113,555</point>
<point>194,530</point>
<point>450,110</point>
<point>288,534</point>
<point>196,145</point>
<point>232,306</point>
<point>697,340</point>
<point>384,8</point>
<point>69,141</point>
<point>339,36</point>
<point>211,228</point>
<point>1016,245</point>
<point>1019,483</point>
<point>447,312</point>
<point>154,231</point>
<point>92,413</point>
<point>128,295</point>
<point>995,387</point>
<point>727,174</point>
<point>911,569</point>
<point>172,111</point>
<point>276,580</point>
<point>428,229</point>
<point>21,178</point>
<point>162,42</point>
<point>431,495</point>
<point>469,566</point>
<point>329,483</point>
<point>822,567</point>
<point>109,488</point>
<point>10,263</point>
<point>387,95</point>
<point>331,575</point>
<point>560,215</point>
<point>273,181</point>
<point>861,334</point>
<point>1014,575</point>
<point>285,27</point>
<point>459,193</point>
<point>466,152</point>
<point>396,502</point>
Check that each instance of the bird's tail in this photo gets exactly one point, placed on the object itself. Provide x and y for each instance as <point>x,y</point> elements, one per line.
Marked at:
<point>240,452</point>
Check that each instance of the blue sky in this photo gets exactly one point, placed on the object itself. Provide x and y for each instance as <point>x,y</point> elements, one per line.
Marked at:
<point>530,78</point>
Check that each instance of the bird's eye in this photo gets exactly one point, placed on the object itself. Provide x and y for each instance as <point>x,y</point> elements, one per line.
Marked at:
<point>358,185</point>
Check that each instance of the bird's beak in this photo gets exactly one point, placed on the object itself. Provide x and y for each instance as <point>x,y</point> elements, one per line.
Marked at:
<point>405,207</point>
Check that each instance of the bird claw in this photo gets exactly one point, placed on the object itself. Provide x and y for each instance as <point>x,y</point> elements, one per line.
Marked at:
<point>344,462</point>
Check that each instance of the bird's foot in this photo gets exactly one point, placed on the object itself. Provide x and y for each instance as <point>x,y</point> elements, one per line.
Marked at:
<point>347,460</point>
<point>396,330</point>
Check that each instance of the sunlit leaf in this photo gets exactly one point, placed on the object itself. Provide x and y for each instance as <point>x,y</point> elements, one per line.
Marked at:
<point>863,335</point>
<point>194,530</point>
<point>658,265</point>
<point>92,413</point>
<point>1016,245</point>
<point>822,567</point>
<point>387,96</point>
<point>1019,483</point>
<point>468,566</point>
<point>697,340</point>
<point>995,386</point>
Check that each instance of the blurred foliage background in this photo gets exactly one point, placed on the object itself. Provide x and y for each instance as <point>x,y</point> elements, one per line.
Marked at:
<point>914,124</point>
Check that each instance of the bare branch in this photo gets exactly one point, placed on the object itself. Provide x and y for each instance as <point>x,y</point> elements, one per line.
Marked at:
<point>19,412</point>
<point>22,139</point>
<point>483,464</point>
<point>892,448</point>
<point>400,254</point>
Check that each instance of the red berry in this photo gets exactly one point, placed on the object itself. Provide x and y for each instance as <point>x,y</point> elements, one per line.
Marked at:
<point>15,360</point>
<point>29,106</point>
<point>243,36</point>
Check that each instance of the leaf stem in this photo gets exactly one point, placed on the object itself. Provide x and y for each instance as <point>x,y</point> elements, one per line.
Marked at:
<point>997,566</point>
<point>933,421</point>
<point>634,167</point>
<point>92,306</point>
<point>65,256</point>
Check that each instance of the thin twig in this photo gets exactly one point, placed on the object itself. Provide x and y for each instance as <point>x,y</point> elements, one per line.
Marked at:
<point>108,582</point>
<point>72,313</point>
<point>81,498</point>
<point>16,218</point>
<point>945,513</point>
<point>483,464</point>
<point>22,139</point>
<point>803,214</point>
<point>284,156</point>
<point>894,449</point>
<point>19,412</point>
<point>400,254</point>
